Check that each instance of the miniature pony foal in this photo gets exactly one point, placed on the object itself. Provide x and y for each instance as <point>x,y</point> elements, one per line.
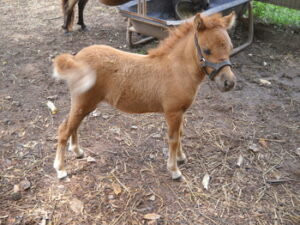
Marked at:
<point>166,80</point>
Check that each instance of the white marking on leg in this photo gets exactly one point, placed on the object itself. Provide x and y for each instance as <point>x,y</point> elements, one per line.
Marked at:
<point>71,146</point>
<point>181,158</point>
<point>60,173</point>
<point>74,148</point>
<point>175,172</point>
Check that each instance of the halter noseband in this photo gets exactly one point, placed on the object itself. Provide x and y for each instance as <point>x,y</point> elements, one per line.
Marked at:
<point>216,66</point>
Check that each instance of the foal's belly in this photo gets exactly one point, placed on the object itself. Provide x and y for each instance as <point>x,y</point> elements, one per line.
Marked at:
<point>135,104</point>
<point>138,106</point>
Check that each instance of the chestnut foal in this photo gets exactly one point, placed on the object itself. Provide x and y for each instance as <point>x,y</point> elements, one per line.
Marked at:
<point>166,80</point>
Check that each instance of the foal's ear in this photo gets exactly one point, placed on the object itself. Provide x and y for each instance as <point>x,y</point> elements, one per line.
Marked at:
<point>198,22</point>
<point>229,21</point>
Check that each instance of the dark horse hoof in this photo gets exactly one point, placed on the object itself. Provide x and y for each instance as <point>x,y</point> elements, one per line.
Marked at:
<point>66,31</point>
<point>84,29</point>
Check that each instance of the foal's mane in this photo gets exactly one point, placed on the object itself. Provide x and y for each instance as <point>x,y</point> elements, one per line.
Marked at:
<point>177,33</point>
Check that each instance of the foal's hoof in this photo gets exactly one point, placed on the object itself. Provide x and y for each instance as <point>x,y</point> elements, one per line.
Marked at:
<point>61,174</point>
<point>81,155</point>
<point>179,179</point>
<point>176,175</point>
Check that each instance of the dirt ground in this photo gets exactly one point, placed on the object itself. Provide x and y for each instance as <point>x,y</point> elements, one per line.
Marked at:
<point>256,123</point>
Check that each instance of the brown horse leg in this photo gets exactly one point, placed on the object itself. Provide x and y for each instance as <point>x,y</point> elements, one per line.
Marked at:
<point>181,158</point>
<point>64,6</point>
<point>174,120</point>
<point>68,9</point>
<point>68,128</point>
<point>81,5</point>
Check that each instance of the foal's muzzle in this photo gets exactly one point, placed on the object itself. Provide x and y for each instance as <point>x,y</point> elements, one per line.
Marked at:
<point>225,80</point>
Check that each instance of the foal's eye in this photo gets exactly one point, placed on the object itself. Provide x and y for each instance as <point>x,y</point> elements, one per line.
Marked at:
<point>207,52</point>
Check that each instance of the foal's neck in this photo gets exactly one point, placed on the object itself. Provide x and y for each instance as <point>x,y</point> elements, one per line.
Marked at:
<point>184,52</point>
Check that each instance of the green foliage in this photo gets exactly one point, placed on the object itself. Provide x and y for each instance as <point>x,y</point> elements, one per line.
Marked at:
<point>276,14</point>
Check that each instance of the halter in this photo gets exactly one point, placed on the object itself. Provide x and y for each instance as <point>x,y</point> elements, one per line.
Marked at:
<point>216,66</point>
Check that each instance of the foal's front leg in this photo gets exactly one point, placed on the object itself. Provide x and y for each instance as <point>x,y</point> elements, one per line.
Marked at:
<point>174,121</point>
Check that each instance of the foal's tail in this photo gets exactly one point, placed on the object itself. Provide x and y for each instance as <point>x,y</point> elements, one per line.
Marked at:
<point>79,76</point>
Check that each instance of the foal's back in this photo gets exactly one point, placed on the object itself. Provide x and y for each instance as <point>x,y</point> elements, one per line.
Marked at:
<point>131,82</point>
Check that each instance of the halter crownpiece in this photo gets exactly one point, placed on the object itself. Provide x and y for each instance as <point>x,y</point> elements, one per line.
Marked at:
<point>216,66</point>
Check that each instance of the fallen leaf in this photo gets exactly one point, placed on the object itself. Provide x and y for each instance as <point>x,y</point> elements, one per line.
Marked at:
<point>30,144</point>
<point>110,197</point>
<point>117,188</point>
<point>264,82</point>
<point>76,205</point>
<point>253,148</point>
<point>52,107</point>
<point>16,188</point>
<point>152,198</point>
<point>156,136</point>
<point>263,142</point>
<point>25,185</point>
<point>134,127</point>
<point>90,159</point>
<point>52,97</point>
<point>205,181</point>
<point>95,113</point>
<point>104,116</point>
<point>240,161</point>
<point>151,216</point>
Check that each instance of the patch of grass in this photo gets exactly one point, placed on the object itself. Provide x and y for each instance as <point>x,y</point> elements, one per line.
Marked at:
<point>276,14</point>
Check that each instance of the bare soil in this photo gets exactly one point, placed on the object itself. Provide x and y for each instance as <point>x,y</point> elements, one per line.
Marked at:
<point>257,123</point>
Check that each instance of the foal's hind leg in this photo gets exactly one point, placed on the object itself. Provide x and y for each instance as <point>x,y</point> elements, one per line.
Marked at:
<point>66,129</point>
<point>74,147</point>
<point>174,120</point>
<point>81,5</point>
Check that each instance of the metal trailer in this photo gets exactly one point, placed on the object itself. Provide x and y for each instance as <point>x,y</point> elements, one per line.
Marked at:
<point>154,17</point>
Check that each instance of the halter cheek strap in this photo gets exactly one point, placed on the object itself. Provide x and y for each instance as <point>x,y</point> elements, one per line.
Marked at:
<point>215,66</point>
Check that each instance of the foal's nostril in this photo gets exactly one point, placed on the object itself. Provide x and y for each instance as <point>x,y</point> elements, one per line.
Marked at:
<point>228,84</point>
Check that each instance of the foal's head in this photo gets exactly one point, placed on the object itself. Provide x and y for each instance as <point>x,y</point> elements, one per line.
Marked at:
<point>214,46</point>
